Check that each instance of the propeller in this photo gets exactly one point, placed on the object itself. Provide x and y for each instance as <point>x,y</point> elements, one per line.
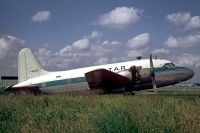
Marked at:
<point>152,72</point>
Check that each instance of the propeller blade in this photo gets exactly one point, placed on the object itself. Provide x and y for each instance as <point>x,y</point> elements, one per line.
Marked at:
<point>152,72</point>
<point>151,64</point>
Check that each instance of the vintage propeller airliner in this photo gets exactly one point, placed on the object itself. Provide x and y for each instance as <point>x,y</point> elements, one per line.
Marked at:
<point>103,79</point>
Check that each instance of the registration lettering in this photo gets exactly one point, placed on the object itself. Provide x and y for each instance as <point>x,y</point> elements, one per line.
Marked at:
<point>36,70</point>
<point>115,69</point>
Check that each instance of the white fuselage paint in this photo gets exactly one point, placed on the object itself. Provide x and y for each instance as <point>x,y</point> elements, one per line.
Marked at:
<point>76,73</point>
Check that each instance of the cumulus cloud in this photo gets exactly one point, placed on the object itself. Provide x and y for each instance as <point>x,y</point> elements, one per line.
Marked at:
<point>46,56</point>
<point>161,51</point>
<point>83,52</point>
<point>185,20</point>
<point>108,44</point>
<point>139,52</point>
<point>120,17</point>
<point>8,44</point>
<point>81,44</point>
<point>102,60</point>
<point>139,41</point>
<point>41,16</point>
<point>191,40</point>
<point>188,60</point>
<point>95,34</point>
<point>89,51</point>
<point>9,48</point>
<point>66,50</point>
<point>191,61</point>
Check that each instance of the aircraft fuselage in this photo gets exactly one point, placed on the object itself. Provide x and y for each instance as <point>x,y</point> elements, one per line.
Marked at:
<point>75,80</point>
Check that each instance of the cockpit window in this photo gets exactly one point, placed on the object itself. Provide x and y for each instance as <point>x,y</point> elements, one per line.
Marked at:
<point>169,66</point>
<point>172,65</point>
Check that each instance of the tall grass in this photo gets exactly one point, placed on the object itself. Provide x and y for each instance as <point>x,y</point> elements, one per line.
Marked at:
<point>114,113</point>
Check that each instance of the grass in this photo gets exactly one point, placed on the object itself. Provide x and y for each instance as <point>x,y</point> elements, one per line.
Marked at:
<point>174,91</point>
<point>105,114</point>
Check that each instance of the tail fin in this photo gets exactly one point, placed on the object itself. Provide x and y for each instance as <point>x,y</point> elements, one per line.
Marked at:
<point>28,66</point>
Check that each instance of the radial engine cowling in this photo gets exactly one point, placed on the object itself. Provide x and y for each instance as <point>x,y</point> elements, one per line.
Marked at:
<point>137,74</point>
<point>145,75</point>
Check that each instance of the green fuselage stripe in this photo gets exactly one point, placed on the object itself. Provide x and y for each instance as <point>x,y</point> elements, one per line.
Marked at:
<point>62,82</point>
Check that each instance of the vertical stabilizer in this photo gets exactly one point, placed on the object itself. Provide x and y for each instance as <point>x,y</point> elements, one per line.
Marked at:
<point>28,65</point>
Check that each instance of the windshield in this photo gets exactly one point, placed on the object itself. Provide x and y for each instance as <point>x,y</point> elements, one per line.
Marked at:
<point>169,66</point>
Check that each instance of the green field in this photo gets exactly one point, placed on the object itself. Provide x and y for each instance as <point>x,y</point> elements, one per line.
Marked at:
<point>104,113</point>
<point>173,91</point>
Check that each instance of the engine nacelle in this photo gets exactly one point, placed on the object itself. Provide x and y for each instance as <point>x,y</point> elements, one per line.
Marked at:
<point>145,75</point>
<point>140,79</point>
<point>137,74</point>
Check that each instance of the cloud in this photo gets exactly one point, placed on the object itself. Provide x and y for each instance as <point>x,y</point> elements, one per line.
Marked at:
<point>179,18</point>
<point>135,53</point>
<point>66,50</point>
<point>9,45</point>
<point>41,16</point>
<point>139,41</point>
<point>138,46</point>
<point>120,17</point>
<point>9,48</point>
<point>102,60</point>
<point>95,34</point>
<point>191,61</point>
<point>161,51</point>
<point>84,52</point>
<point>89,51</point>
<point>191,40</point>
<point>81,44</point>
<point>108,44</point>
<point>187,60</point>
<point>185,20</point>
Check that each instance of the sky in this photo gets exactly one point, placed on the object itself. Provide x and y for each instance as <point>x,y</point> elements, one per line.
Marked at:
<point>75,33</point>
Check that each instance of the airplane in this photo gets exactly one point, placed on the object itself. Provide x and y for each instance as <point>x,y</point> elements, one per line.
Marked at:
<point>103,79</point>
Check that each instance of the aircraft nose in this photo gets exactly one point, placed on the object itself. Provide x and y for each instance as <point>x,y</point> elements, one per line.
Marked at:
<point>179,74</point>
<point>188,74</point>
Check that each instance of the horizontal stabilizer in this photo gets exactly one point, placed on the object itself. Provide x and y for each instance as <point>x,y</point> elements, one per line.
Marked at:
<point>106,80</point>
<point>28,89</point>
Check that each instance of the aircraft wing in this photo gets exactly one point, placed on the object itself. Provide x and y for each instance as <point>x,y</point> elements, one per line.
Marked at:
<point>105,79</point>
